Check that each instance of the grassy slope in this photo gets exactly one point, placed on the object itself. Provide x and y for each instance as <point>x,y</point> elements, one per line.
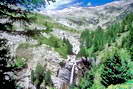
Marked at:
<point>55,43</point>
<point>41,20</point>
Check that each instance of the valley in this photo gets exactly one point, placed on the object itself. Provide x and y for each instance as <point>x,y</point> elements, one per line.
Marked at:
<point>74,48</point>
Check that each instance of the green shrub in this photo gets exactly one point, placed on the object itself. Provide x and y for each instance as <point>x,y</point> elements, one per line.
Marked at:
<point>87,81</point>
<point>47,79</point>
<point>41,75</point>
<point>86,52</point>
<point>20,62</point>
<point>128,19</point>
<point>49,28</point>
<point>69,46</point>
<point>33,78</point>
<point>127,42</point>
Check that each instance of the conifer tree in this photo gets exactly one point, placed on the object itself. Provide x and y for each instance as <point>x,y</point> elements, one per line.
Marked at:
<point>6,80</point>
<point>116,71</point>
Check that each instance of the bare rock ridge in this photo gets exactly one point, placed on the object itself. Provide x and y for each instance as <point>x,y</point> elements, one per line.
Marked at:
<point>91,17</point>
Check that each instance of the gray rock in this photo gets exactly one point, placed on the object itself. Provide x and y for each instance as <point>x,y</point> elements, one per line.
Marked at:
<point>64,74</point>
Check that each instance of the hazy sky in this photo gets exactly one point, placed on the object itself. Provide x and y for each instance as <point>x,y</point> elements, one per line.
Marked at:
<point>61,4</point>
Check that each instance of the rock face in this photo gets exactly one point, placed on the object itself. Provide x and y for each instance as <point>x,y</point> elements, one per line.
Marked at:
<point>42,54</point>
<point>15,40</point>
<point>91,17</point>
<point>64,74</point>
<point>46,56</point>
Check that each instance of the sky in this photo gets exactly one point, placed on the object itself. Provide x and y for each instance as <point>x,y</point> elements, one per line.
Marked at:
<point>61,4</point>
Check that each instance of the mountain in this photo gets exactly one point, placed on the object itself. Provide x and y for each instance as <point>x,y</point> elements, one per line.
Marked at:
<point>91,17</point>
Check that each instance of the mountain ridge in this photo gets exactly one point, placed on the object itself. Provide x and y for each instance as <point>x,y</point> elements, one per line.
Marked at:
<point>93,17</point>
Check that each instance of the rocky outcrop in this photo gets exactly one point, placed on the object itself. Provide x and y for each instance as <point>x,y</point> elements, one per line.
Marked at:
<point>15,40</point>
<point>22,76</point>
<point>43,55</point>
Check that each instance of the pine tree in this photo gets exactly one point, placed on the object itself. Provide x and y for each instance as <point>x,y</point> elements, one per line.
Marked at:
<point>28,4</point>
<point>115,71</point>
<point>130,40</point>
<point>47,78</point>
<point>6,80</point>
<point>41,75</point>
<point>69,46</point>
<point>9,14</point>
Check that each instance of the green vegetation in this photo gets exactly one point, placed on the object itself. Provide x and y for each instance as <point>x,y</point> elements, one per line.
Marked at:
<point>41,75</point>
<point>84,83</point>
<point>63,48</point>
<point>98,39</point>
<point>116,69</point>
<point>42,20</point>
<point>39,18</point>
<point>20,62</point>
<point>114,48</point>
<point>49,28</point>
<point>69,46</point>
<point>121,86</point>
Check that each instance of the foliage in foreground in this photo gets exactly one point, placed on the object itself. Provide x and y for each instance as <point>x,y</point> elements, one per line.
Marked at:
<point>116,70</point>
<point>6,80</point>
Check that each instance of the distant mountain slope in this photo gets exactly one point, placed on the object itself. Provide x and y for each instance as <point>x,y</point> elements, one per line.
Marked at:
<point>91,17</point>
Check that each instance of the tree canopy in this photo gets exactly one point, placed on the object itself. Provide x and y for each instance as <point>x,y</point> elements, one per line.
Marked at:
<point>29,4</point>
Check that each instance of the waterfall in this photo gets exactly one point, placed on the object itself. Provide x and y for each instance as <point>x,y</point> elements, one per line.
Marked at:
<point>72,74</point>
